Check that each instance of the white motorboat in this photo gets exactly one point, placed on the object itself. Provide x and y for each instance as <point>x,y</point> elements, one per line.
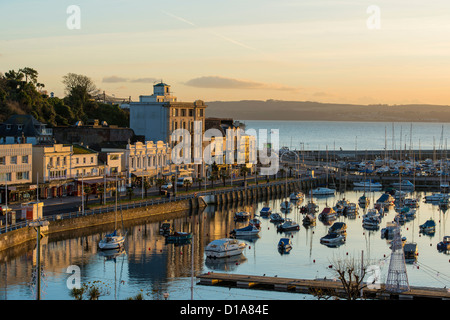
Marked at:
<point>368,184</point>
<point>364,201</point>
<point>276,217</point>
<point>436,197</point>
<point>411,202</point>
<point>225,247</point>
<point>242,215</point>
<point>249,230</point>
<point>288,225</point>
<point>332,239</point>
<point>404,184</point>
<point>323,191</point>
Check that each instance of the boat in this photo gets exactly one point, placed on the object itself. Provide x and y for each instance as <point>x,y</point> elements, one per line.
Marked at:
<point>246,231</point>
<point>436,197</point>
<point>369,184</point>
<point>265,212</point>
<point>411,202</point>
<point>340,206</point>
<point>288,225</point>
<point>323,191</point>
<point>311,207</point>
<point>332,239</point>
<point>428,227</point>
<point>371,219</point>
<point>404,184</point>
<point>276,217</point>
<point>444,245</point>
<point>388,231</point>
<point>338,227</point>
<point>309,220</point>
<point>364,201</point>
<point>327,214</point>
<point>165,227</point>
<point>286,206</point>
<point>297,196</point>
<point>255,222</point>
<point>284,245</point>
<point>242,215</point>
<point>112,241</point>
<point>178,237</point>
<point>351,209</point>
<point>410,251</point>
<point>386,200</point>
<point>226,247</point>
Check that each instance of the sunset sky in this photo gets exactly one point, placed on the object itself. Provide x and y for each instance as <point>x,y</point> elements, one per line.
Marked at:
<point>316,50</point>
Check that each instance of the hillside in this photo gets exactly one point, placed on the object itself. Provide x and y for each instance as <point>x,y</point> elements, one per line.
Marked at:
<point>306,110</point>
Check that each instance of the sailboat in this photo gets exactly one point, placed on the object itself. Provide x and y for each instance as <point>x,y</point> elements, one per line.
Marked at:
<point>113,240</point>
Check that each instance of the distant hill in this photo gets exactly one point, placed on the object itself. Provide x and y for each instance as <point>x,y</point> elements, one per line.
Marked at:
<point>307,110</point>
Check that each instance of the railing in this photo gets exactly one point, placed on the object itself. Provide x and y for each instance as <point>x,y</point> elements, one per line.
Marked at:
<point>139,204</point>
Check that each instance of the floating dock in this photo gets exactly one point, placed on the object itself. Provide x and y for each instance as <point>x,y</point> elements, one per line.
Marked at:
<point>325,287</point>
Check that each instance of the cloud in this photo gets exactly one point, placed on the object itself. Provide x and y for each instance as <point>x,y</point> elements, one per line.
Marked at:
<point>218,82</point>
<point>116,79</point>
<point>145,80</point>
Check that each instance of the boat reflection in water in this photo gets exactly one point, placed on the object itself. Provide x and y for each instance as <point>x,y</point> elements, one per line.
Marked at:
<point>225,264</point>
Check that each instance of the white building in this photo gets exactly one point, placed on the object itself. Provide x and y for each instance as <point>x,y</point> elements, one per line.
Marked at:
<point>16,170</point>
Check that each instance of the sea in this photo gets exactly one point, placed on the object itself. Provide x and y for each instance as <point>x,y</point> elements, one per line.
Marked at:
<point>158,270</point>
<point>337,135</point>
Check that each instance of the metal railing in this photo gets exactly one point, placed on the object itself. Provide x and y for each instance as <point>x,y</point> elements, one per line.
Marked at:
<point>141,203</point>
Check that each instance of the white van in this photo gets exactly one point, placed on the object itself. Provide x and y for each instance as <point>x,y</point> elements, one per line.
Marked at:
<point>181,180</point>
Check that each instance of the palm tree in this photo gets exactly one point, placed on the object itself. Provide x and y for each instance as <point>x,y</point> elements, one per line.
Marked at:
<point>100,190</point>
<point>187,184</point>
<point>199,180</point>
<point>87,190</point>
<point>224,176</point>
<point>129,192</point>
<point>147,185</point>
<point>159,184</point>
<point>243,172</point>
<point>212,178</point>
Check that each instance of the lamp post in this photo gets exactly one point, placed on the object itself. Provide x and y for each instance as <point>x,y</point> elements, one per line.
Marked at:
<point>37,224</point>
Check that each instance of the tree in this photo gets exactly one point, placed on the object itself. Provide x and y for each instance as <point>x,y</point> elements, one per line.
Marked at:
<point>29,73</point>
<point>159,183</point>
<point>351,273</point>
<point>147,185</point>
<point>87,191</point>
<point>79,91</point>
<point>187,184</point>
<point>224,176</point>
<point>199,180</point>
<point>244,171</point>
<point>129,192</point>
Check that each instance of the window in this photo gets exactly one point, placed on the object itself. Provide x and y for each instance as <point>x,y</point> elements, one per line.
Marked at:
<point>8,127</point>
<point>191,112</point>
<point>201,112</point>
<point>2,160</point>
<point>84,160</point>
<point>92,159</point>
<point>24,159</point>
<point>183,112</point>
<point>14,160</point>
<point>77,160</point>
<point>8,176</point>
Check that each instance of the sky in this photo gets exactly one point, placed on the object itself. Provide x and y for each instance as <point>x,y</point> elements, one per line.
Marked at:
<point>349,51</point>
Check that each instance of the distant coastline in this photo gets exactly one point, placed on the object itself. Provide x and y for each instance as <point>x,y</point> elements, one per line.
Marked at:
<point>316,111</point>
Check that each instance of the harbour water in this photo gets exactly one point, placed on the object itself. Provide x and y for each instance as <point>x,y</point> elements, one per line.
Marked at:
<point>152,267</point>
<point>322,135</point>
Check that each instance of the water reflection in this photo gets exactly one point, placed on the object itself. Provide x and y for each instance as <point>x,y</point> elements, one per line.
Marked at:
<point>151,264</point>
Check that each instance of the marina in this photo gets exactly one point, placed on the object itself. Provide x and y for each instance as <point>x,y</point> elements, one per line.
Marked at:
<point>151,264</point>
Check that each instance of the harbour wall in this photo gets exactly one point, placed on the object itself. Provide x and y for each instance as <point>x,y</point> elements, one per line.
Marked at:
<point>20,236</point>
<point>220,197</point>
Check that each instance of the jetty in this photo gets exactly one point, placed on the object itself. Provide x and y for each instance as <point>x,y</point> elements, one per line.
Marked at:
<point>329,287</point>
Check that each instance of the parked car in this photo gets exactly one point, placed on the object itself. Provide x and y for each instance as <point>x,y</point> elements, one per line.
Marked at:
<point>167,186</point>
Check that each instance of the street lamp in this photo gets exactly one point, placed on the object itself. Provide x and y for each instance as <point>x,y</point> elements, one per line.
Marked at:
<point>38,224</point>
